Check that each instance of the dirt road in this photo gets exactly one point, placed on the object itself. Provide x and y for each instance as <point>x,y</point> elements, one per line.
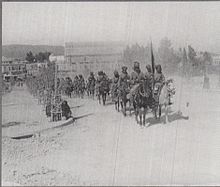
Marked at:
<point>106,148</point>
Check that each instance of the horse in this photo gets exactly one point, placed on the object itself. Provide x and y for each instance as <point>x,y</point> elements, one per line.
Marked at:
<point>102,94</point>
<point>142,101</point>
<point>102,89</point>
<point>91,89</point>
<point>115,96</point>
<point>123,99</point>
<point>167,91</point>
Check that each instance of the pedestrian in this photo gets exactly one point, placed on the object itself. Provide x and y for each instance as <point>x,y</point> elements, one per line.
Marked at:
<point>66,112</point>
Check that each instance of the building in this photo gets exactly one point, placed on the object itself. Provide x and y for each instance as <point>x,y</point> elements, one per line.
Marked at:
<point>34,68</point>
<point>64,69</point>
<point>15,68</point>
<point>82,58</point>
<point>216,60</point>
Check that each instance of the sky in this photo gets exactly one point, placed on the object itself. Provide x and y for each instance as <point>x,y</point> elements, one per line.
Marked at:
<point>54,23</point>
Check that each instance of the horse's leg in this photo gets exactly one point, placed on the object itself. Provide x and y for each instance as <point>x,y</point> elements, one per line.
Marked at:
<point>129,107</point>
<point>136,114</point>
<point>155,112</point>
<point>93,95</point>
<point>104,98</point>
<point>140,116</point>
<point>160,110</point>
<point>166,114</point>
<point>123,106</point>
<point>99,98</point>
<point>118,103</point>
<point>144,115</point>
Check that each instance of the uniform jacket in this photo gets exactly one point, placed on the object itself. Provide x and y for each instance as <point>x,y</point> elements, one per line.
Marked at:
<point>124,81</point>
<point>136,77</point>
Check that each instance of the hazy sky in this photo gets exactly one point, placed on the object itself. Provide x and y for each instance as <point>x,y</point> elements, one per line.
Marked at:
<point>196,23</point>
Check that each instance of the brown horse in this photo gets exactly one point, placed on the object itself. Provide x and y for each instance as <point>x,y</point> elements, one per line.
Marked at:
<point>142,101</point>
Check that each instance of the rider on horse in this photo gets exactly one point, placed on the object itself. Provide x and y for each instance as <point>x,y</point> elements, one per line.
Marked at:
<point>159,81</point>
<point>114,87</point>
<point>148,76</point>
<point>159,78</point>
<point>81,85</point>
<point>91,83</point>
<point>124,80</point>
<point>136,77</point>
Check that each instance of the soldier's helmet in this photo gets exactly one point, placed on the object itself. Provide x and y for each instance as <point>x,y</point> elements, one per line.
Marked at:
<point>99,73</point>
<point>159,68</point>
<point>91,73</point>
<point>124,68</point>
<point>136,65</point>
<point>149,68</point>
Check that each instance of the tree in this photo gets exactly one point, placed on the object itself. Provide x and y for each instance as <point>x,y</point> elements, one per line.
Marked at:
<point>136,53</point>
<point>192,55</point>
<point>42,56</point>
<point>167,56</point>
<point>30,57</point>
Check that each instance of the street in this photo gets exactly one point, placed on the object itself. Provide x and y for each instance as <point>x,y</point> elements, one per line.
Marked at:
<point>106,148</point>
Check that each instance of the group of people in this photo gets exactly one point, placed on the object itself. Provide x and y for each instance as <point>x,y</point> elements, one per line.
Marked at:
<point>122,81</point>
<point>126,83</point>
<point>120,85</point>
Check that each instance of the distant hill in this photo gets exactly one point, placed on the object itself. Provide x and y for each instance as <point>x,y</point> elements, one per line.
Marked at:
<point>20,51</point>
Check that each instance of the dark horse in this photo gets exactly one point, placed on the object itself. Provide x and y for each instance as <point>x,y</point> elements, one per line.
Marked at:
<point>142,101</point>
<point>115,96</point>
<point>103,90</point>
<point>123,99</point>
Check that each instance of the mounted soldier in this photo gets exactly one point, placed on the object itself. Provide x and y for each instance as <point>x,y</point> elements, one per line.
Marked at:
<point>124,80</point>
<point>114,87</point>
<point>102,87</point>
<point>136,77</point>
<point>91,84</point>
<point>75,85</point>
<point>159,77</point>
<point>124,88</point>
<point>148,76</point>
<point>105,82</point>
<point>159,80</point>
<point>81,85</point>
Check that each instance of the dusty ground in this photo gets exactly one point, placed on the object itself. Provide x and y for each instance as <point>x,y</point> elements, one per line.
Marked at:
<point>106,148</point>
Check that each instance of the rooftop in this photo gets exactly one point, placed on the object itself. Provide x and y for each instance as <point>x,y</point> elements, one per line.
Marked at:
<point>94,48</point>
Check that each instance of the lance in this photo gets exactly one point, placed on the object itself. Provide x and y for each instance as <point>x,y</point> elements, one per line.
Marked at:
<point>152,63</point>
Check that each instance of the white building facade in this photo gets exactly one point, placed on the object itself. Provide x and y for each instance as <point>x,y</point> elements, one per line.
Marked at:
<point>83,58</point>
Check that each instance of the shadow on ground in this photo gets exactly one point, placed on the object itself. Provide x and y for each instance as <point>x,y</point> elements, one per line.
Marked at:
<point>171,117</point>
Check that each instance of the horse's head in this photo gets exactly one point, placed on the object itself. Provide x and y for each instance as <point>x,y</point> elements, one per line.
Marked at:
<point>144,89</point>
<point>170,86</point>
<point>156,88</point>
